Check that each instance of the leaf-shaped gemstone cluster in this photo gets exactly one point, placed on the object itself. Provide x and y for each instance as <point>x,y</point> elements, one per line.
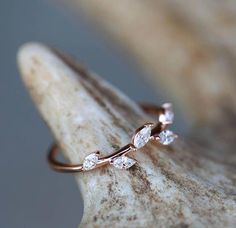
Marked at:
<point>123,162</point>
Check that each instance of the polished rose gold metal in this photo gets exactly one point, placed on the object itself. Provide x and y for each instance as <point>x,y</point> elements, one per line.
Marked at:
<point>119,158</point>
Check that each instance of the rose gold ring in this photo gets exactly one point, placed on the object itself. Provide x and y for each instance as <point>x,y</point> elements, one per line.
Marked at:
<point>119,159</point>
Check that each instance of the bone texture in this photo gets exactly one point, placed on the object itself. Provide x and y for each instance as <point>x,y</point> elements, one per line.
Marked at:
<point>188,184</point>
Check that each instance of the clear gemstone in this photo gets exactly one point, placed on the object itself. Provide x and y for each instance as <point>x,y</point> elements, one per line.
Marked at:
<point>168,116</point>
<point>166,137</point>
<point>142,137</point>
<point>90,161</point>
<point>123,162</point>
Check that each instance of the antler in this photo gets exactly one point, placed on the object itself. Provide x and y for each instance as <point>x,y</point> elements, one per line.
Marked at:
<point>177,185</point>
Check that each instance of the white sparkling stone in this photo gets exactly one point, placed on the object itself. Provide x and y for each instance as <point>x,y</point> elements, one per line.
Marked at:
<point>166,137</point>
<point>168,116</point>
<point>142,137</point>
<point>90,161</point>
<point>123,162</point>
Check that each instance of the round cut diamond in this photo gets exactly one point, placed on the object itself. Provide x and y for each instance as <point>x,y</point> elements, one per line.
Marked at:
<point>123,162</point>
<point>142,137</point>
<point>90,161</point>
<point>166,137</point>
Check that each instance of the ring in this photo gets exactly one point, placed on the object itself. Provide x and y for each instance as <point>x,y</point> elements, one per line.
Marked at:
<point>119,159</point>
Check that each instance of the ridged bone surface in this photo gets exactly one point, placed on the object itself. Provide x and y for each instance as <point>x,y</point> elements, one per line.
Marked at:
<point>174,186</point>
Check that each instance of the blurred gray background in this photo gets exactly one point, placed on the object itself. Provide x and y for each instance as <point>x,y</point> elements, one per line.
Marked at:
<point>31,195</point>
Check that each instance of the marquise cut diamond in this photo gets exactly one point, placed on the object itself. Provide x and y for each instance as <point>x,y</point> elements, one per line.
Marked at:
<point>166,137</point>
<point>90,161</point>
<point>123,162</point>
<point>142,137</point>
<point>168,116</point>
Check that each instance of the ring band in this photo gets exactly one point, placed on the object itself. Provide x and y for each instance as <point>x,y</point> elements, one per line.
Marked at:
<point>119,159</point>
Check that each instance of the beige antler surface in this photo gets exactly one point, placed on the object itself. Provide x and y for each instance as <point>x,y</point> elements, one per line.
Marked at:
<point>186,184</point>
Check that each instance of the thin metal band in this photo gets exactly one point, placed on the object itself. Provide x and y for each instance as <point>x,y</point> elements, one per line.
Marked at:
<point>95,161</point>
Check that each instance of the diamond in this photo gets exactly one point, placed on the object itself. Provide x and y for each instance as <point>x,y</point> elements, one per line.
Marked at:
<point>90,161</point>
<point>123,162</point>
<point>168,116</point>
<point>142,137</point>
<point>166,137</point>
